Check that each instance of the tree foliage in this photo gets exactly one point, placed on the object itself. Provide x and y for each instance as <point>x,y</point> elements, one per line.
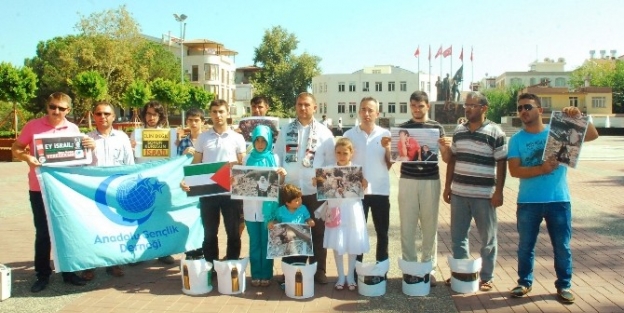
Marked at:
<point>152,60</point>
<point>198,98</point>
<point>602,73</point>
<point>502,102</point>
<point>137,94</point>
<point>90,85</point>
<point>284,74</point>
<point>17,87</point>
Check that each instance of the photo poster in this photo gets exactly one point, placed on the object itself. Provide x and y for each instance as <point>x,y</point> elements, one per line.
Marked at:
<point>247,125</point>
<point>61,149</point>
<point>287,239</point>
<point>565,138</point>
<point>156,143</point>
<point>416,145</point>
<point>255,183</point>
<point>339,182</point>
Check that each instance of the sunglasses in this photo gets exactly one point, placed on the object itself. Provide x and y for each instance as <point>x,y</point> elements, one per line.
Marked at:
<point>525,107</point>
<point>103,113</point>
<point>54,107</point>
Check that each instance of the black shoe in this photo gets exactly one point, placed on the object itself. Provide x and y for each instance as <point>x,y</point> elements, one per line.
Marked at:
<point>167,260</point>
<point>40,284</point>
<point>74,280</point>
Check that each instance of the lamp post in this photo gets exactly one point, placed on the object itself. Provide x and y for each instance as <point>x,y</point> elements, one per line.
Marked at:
<point>180,18</point>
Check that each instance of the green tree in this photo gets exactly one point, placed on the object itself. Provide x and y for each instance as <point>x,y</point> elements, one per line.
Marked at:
<point>152,60</point>
<point>17,86</point>
<point>602,73</point>
<point>136,96</point>
<point>172,95</point>
<point>198,98</point>
<point>502,102</point>
<point>89,86</point>
<point>284,74</point>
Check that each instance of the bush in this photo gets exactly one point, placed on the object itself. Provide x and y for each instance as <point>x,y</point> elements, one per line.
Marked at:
<point>7,134</point>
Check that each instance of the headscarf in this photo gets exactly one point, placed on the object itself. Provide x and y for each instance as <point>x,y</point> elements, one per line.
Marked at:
<point>266,157</point>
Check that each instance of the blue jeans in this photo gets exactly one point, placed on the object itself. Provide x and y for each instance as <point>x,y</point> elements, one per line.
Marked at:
<point>558,217</point>
<point>463,210</point>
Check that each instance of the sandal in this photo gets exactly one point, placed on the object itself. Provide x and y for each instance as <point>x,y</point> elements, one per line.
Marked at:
<point>520,291</point>
<point>265,282</point>
<point>255,282</point>
<point>339,287</point>
<point>352,286</point>
<point>486,285</point>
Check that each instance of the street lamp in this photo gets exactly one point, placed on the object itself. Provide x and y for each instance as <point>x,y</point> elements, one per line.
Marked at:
<point>180,18</point>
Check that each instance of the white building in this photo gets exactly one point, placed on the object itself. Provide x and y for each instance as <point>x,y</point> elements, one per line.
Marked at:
<point>339,95</point>
<point>207,64</point>
<point>539,72</point>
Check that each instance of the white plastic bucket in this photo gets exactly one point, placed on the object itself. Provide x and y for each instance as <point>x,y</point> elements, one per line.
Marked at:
<point>231,276</point>
<point>372,278</point>
<point>196,276</point>
<point>299,282</point>
<point>416,279</point>
<point>465,267</point>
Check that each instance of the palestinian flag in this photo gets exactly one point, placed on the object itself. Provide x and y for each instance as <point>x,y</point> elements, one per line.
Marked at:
<point>209,179</point>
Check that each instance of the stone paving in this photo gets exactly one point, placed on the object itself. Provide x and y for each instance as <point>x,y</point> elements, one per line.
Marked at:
<point>598,282</point>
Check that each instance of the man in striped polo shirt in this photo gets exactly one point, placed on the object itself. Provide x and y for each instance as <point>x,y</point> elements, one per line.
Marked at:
<point>475,177</point>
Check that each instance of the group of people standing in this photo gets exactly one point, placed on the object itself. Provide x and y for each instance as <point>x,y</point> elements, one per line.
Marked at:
<point>477,157</point>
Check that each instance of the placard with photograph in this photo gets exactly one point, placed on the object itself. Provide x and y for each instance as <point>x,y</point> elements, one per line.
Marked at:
<point>565,138</point>
<point>339,182</point>
<point>255,183</point>
<point>287,239</point>
<point>247,125</point>
<point>61,149</point>
<point>416,145</point>
<point>157,143</point>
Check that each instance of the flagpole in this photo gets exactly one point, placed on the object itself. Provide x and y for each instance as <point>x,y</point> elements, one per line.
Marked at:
<point>471,68</point>
<point>429,70</point>
<point>461,87</point>
<point>441,57</point>
<point>418,87</point>
<point>451,59</point>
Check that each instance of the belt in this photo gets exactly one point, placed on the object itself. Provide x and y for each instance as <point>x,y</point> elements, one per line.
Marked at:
<point>465,277</point>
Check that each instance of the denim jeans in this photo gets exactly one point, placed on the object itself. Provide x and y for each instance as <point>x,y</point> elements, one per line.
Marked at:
<point>558,219</point>
<point>463,210</point>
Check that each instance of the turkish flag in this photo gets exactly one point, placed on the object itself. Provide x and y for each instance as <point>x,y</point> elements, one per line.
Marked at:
<point>470,54</point>
<point>438,53</point>
<point>417,53</point>
<point>448,51</point>
<point>461,55</point>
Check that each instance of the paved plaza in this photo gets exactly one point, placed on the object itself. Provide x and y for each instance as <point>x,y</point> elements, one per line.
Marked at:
<point>598,281</point>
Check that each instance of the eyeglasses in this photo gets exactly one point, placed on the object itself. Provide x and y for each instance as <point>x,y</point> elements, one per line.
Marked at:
<point>471,106</point>
<point>107,114</point>
<point>54,107</point>
<point>525,107</point>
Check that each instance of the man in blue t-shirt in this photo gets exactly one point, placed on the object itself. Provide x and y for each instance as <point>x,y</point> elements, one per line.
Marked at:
<point>543,195</point>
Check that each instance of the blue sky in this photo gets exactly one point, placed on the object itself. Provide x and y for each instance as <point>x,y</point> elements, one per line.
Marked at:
<point>351,34</point>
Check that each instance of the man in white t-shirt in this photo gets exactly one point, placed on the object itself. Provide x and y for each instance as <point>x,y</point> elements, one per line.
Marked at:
<point>372,151</point>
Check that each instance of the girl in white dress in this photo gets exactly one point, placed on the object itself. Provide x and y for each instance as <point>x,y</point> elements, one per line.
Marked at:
<point>350,236</point>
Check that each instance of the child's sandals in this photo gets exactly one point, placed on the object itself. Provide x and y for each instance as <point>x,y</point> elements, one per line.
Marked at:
<point>352,286</point>
<point>339,286</point>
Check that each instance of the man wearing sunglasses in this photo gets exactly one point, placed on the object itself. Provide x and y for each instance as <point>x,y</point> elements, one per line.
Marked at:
<point>112,149</point>
<point>475,177</point>
<point>543,195</point>
<point>57,107</point>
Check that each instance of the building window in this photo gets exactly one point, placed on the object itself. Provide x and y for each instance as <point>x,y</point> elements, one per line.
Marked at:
<point>515,81</point>
<point>341,87</point>
<point>325,107</point>
<point>422,85</point>
<point>390,86</point>
<point>391,107</point>
<point>546,102</point>
<point>341,107</point>
<point>212,72</point>
<point>380,107</point>
<point>560,82</point>
<point>403,86</point>
<point>248,110</point>
<point>351,86</point>
<point>352,107</point>
<point>195,73</point>
<point>378,86</point>
<point>533,81</point>
<point>376,71</point>
<point>545,81</point>
<point>574,101</point>
<point>365,86</point>
<point>599,102</point>
<point>325,87</point>
<point>403,107</point>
